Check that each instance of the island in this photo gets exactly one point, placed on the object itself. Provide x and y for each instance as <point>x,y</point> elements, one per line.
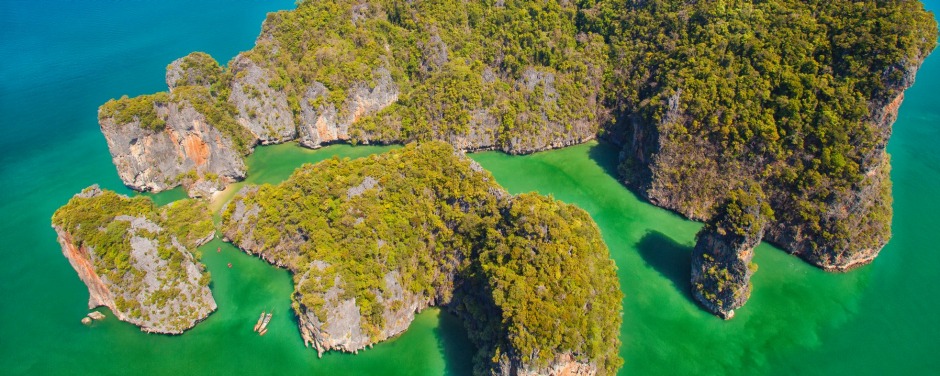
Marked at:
<point>139,260</point>
<point>370,243</point>
<point>730,106</point>
<point>373,241</point>
<point>766,120</point>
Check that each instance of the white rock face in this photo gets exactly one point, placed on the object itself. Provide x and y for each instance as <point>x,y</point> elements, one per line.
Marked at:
<point>158,295</point>
<point>322,122</point>
<point>262,109</point>
<point>155,161</point>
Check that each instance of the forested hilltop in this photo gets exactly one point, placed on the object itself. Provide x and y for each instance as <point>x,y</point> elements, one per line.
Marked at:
<point>770,113</point>
<point>371,242</point>
<point>139,260</point>
<point>727,106</point>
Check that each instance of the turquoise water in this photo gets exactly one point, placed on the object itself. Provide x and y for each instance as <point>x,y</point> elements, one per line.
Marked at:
<point>60,59</point>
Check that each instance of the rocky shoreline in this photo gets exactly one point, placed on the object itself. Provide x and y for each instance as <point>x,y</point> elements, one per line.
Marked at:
<point>336,314</point>
<point>150,278</point>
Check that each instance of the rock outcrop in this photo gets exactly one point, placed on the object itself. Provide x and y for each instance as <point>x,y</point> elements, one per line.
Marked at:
<point>322,122</point>
<point>195,69</point>
<point>341,328</point>
<point>721,259</point>
<point>392,235</point>
<point>133,264</point>
<point>698,126</point>
<point>261,104</point>
<point>186,149</point>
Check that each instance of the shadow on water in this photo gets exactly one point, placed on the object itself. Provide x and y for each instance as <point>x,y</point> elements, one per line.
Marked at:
<point>607,156</point>
<point>457,349</point>
<point>671,259</point>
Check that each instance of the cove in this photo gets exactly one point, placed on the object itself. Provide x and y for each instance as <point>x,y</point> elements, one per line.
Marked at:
<point>62,59</point>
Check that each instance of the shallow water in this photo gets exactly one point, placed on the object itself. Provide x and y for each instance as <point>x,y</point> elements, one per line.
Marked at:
<point>61,59</point>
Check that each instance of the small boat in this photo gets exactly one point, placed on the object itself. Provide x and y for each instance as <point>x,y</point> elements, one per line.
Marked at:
<point>261,333</point>
<point>264,323</point>
<point>218,250</point>
<point>260,319</point>
<point>230,265</point>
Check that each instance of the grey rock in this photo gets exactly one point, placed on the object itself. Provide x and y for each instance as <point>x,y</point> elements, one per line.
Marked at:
<point>262,109</point>
<point>367,183</point>
<point>322,122</point>
<point>186,301</point>
<point>341,328</point>
<point>156,161</point>
<point>197,69</point>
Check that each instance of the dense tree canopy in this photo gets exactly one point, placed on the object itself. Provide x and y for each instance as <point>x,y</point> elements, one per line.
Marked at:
<point>102,223</point>
<point>544,282</point>
<point>794,95</point>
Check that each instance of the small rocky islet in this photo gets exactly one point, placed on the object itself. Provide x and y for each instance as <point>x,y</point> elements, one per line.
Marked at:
<point>138,260</point>
<point>768,121</point>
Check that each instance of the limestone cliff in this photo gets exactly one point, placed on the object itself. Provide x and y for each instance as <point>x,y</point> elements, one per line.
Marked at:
<point>184,149</point>
<point>262,109</point>
<point>561,365</point>
<point>322,122</point>
<point>699,124</point>
<point>132,263</point>
<point>341,328</point>
<point>386,237</point>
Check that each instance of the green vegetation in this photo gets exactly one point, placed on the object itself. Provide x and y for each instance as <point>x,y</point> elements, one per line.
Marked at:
<point>104,224</point>
<point>218,112</point>
<point>543,268</point>
<point>142,108</point>
<point>547,284</point>
<point>782,93</point>
<point>199,69</point>
<point>745,112</point>
<point>744,215</point>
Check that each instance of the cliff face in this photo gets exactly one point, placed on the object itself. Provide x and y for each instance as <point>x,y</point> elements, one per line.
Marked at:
<point>700,124</point>
<point>341,327</point>
<point>98,292</point>
<point>674,169</point>
<point>322,122</point>
<point>370,72</point>
<point>387,237</point>
<point>187,150</point>
<point>262,109</point>
<point>562,365</point>
<point>150,279</point>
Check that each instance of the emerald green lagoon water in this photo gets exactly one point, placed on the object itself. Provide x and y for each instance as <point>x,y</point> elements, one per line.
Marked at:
<point>60,59</point>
